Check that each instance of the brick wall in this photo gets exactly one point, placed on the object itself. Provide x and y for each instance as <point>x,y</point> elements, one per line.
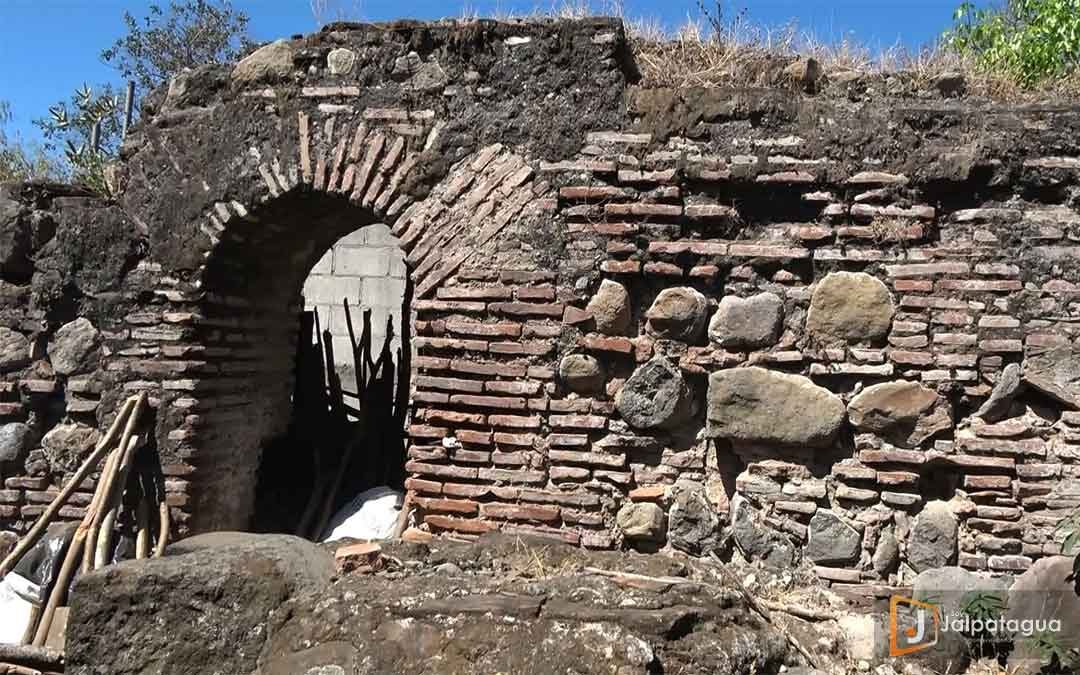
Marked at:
<point>368,268</point>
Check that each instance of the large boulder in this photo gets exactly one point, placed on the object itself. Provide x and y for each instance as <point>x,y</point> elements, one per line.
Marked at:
<point>14,350</point>
<point>757,540</point>
<point>204,608</point>
<point>1056,373</point>
<point>641,521</point>
<point>66,445</point>
<point>904,413</point>
<point>74,347</point>
<point>886,553</point>
<point>656,396</point>
<point>997,407</point>
<point>270,63</point>
<point>747,323</point>
<point>759,405</point>
<point>850,307</point>
<point>1047,590</point>
<point>15,439</point>
<point>692,520</point>
<point>832,541</point>
<point>610,308</point>
<point>677,314</point>
<point>582,374</point>
<point>932,541</point>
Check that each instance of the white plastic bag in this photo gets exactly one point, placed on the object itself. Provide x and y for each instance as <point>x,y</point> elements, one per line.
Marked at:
<point>15,610</point>
<point>372,514</point>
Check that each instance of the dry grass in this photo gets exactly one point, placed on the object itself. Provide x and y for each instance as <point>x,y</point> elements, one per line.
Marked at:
<point>709,52</point>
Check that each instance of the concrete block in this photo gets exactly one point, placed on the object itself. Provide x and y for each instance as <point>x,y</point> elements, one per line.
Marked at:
<point>398,269</point>
<point>379,235</point>
<point>361,262</point>
<point>383,292</point>
<point>324,290</point>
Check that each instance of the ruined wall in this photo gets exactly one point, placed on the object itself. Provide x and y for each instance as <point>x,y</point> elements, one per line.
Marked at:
<point>838,327</point>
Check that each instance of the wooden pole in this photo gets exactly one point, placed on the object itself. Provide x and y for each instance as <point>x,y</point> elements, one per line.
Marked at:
<point>38,529</point>
<point>142,531</point>
<point>110,480</point>
<point>129,105</point>
<point>112,504</point>
<point>164,518</point>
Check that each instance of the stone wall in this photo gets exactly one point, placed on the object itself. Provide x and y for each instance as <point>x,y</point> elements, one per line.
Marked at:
<point>366,267</point>
<point>837,327</point>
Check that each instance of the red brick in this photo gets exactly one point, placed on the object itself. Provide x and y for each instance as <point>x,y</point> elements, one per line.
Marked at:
<point>512,475</point>
<point>490,292</point>
<point>452,417</point>
<point>587,458</point>
<point>464,525</point>
<point>473,437</point>
<point>476,328</point>
<point>520,512</point>
<point>892,456</point>
<point>980,285</point>
<point>449,306</point>
<point>425,431</point>
<point>430,363</point>
<point>663,269</point>
<point>486,368</point>
<point>518,387</point>
<point>509,458</point>
<point>568,440</point>
<point>620,266</point>
<point>552,309</point>
<point>911,358</point>
<point>447,505</point>
<point>465,490</point>
<point>571,405</point>
<point>525,277</point>
<point>500,402</point>
<point>533,293</point>
<point>704,271</point>
<point>578,421</point>
<point>927,269</point>
<point>1001,346</point>
<point>432,397</point>
<point>763,251</point>
<point>521,440</point>
<point>514,421</point>
<point>446,471</point>
<point>448,343</point>
<point>649,493</point>
<point>897,478</point>
<point>913,286</point>
<point>594,192</point>
<point>421,485</point>
<point>525,347</point>
<point>603,343</point>
<point>614,229</point>
<point>449,384</point>
<point>642,209</point>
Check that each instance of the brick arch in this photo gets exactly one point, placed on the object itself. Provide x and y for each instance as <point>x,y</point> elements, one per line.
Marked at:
<point>330,174</point>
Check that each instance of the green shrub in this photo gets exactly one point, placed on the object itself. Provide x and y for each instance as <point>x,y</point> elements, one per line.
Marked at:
<point>1028,40</point>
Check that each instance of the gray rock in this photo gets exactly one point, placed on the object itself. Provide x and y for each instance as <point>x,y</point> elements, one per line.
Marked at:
<point>904,413</point>
<point>692,521</point>
<point>831,540</point>
<point>759,405</point>
<point>642,521</point>
<point>933,538</point>
<point>74,347</point>
<point>677,314</point>
<point>419,75</point>
<point>610,308</point>
<point>1045,591</point>
<point>655,396</point>
<point>7,543</point>
<point>756,539</point>
<point>1008,385</point>
<point>216,592</point>
<point>15,439</point>
<point>66,445</point>
<point>850,307</point>
<point>341,61</point>
<point>886,554</point>
<point>270,63</point>
<point>14,350</point>
<point>950,588</point>
<point>1056,373</point>
<point>951,85</point>
<point>582,374</point>
<point>804,73</point>
<point>747,323</point>
<point>328,658</point>
<point>194,87</point>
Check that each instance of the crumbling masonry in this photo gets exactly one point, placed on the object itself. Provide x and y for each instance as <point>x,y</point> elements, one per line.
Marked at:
<point>840,326</point>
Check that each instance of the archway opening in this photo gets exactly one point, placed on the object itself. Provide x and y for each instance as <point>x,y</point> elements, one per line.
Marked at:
<point>309,298</point>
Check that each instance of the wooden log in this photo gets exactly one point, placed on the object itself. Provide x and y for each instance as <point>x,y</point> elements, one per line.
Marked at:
<point>44,657</point>
<point>142,529</point>
<point>112,501</point>
<point>164,523</point>
<point>91,462</point>
<point>110,480</point>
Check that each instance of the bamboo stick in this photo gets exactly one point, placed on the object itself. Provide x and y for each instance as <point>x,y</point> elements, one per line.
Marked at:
<point>164,518</point>
<point>112,503</point>
<point>110,480</point>
<point>142,529</point>
<point>110,466</point>
<point>38,529</point>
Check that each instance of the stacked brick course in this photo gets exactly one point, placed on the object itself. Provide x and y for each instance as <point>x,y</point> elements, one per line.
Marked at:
<point>963,215</point>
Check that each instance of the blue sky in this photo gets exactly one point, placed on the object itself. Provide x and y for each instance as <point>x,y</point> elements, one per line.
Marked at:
<point>50,47</point>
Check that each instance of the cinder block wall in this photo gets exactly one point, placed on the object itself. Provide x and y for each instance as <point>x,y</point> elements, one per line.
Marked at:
<point>368,268</point>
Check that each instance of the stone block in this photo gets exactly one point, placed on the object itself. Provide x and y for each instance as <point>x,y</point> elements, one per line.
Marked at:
<point>361,262</point>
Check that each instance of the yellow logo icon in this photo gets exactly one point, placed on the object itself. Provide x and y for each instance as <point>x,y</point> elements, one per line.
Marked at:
<point>913,625</point>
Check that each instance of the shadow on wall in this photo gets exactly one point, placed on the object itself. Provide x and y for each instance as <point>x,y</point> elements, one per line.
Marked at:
<point>349,406</point>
